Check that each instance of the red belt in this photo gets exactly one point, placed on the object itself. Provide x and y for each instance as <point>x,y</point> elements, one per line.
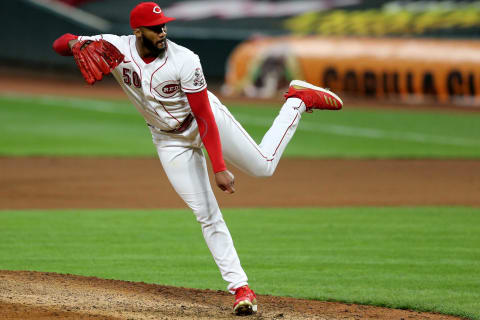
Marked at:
<point>182,127</point>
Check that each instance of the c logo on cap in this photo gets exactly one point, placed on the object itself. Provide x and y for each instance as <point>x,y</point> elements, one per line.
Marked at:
<point>157,9</point>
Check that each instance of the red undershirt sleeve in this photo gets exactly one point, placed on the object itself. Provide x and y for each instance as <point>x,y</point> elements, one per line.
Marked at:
<point>61,44</point>
<point>207,127</point>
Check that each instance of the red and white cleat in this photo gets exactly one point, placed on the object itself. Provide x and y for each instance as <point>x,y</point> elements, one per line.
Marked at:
<point>314,97</point>
<point>245,301</point>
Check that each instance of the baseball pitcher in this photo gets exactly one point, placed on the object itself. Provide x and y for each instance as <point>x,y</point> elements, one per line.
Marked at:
<point>165,83</point>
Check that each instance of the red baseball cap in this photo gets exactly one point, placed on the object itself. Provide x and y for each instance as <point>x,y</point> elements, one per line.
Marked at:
<point>147,14</point>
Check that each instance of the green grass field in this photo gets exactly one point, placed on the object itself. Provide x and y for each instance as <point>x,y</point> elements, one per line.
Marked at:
<point>418,258</point>
<point>70,126</point>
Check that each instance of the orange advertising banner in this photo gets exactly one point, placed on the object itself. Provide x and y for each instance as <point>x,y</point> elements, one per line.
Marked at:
<point>412,70</point>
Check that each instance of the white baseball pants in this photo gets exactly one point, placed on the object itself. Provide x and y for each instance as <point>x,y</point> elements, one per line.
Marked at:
<point>184,163</point>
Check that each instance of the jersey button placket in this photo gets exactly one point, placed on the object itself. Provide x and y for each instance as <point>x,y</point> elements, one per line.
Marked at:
<point>149,98</point>
<point>146,84</point>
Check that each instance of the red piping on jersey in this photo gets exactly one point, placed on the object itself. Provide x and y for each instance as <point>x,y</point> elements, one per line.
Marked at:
<point>166,59</point>
<point>151,78</point>
<point>133,58</point>
<point>179,122</point>
<point>183,88</point>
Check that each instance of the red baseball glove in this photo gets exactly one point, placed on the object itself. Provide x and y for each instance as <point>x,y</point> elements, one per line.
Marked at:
<point>96,58</point>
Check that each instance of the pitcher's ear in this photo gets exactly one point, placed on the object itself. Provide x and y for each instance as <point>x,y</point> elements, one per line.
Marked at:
<point>137,32</point>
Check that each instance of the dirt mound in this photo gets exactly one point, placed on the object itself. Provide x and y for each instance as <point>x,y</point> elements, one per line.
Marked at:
<point>39,295</point>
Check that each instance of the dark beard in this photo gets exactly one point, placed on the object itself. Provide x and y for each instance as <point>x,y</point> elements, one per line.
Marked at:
<point>154,50</point>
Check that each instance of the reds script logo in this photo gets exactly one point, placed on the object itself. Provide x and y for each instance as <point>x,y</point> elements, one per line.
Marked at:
<point>168,88</point>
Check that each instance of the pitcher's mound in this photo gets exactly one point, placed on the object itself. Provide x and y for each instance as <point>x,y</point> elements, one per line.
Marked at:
<point>39,295</point>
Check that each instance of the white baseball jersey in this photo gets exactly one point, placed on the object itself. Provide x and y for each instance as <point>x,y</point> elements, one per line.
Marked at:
<point>158,88</point>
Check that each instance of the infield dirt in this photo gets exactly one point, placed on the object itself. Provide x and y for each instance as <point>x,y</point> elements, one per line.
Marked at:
<point>44,183</point>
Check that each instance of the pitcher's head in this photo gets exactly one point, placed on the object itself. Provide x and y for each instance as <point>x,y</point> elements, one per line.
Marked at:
<point>149,26</point>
